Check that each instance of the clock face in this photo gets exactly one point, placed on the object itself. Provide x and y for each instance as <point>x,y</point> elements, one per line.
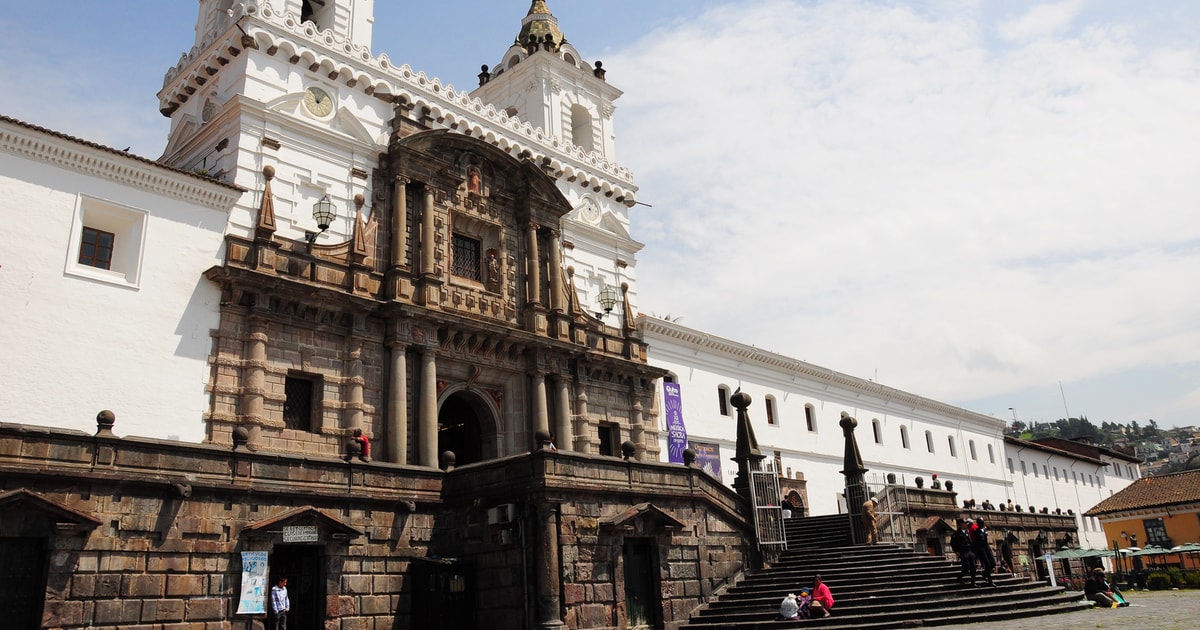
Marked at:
<point>318,102</point>
<point>589,211</point>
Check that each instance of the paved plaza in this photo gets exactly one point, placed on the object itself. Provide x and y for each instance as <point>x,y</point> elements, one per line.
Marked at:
<point>1149,610</point>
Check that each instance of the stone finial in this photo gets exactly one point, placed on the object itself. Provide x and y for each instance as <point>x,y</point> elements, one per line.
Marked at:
<point>484,75</point>
<point>104,423</point>
<point>599,72</point>
<point>241,437</point>
<point>545,441</point>
<point>354,449</point>
<point>448,459</point>
<point>627,449</point>
<point>689,457</point>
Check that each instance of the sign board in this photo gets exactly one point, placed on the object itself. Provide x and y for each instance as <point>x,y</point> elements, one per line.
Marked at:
<point>253,598</point>
<point>301,534</point>
<point>676,431</point>
<point>708,457</point>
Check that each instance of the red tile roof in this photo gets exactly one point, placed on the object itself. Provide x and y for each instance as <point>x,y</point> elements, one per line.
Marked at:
<point>1152,492</point>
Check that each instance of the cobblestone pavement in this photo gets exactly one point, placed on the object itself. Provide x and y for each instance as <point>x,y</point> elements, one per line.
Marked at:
<point>1148,610</point>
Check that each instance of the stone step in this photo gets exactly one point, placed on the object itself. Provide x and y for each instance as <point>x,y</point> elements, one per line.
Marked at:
<point>877,586</point>
<point>895,595</point>
<point>891,621</point>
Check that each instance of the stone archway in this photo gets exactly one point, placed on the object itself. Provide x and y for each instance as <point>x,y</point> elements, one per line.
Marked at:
<point>466,426</point>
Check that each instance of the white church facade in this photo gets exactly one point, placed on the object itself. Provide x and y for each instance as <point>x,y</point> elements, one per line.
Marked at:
<point>795,413</point>
<point>380,334</point>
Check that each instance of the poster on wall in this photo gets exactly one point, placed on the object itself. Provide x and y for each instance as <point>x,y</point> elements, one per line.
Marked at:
<point>254,583</point>
<point>676,431</point>
<point>708,457</point>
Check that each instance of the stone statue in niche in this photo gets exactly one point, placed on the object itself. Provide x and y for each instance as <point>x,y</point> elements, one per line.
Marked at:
<point>474,181</point>
<point>492,263</point>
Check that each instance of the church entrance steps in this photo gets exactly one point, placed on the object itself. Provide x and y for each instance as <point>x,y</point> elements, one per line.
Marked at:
<point>878,586</point>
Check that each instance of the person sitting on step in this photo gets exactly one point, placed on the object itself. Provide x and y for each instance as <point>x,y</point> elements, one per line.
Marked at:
<point>822,599</point>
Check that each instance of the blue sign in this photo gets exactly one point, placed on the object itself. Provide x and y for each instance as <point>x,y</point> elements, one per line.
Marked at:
<point>676,432</point>
<point>708,457</point>
<point>254,583</point>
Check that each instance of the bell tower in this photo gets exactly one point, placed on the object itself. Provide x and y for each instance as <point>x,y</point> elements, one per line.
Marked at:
<point>544,81</point>
<point>276,84</point>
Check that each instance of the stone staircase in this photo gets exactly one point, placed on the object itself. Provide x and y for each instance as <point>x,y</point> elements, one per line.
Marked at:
<point>878,586</point>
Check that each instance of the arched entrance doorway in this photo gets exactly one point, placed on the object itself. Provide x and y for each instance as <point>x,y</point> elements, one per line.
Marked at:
<point>466,426</point>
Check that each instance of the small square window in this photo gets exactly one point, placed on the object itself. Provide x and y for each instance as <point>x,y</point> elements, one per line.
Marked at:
<point>466,258</point>
<point>96,248</point>
<point>301,392</point>
<point>608,440</point>
<point>106,242</point>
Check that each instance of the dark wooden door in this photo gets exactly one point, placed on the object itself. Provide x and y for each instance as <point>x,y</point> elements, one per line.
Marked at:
<point>22,581</point>
<point>301,565</point>
<point>441,597</point>
<point>641,579</point>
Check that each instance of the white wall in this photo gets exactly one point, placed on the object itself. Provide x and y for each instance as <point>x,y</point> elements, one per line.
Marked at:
<point>74,345</point>
<point>701,363</point>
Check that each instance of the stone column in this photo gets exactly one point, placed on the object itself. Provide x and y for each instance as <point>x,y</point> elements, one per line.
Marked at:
<point>557,293</point>
<point>255,385</point>
<point>427,413</point>
<point>547,566</point>
<point>541,415</point>
<point>428,234</point>
<point>399,222</point>
<point>636,430</point>
<point>533,265</point>
<point>581,432</point>
<point>563,438</point>
<point>398,404</point>
<point>354,387</point>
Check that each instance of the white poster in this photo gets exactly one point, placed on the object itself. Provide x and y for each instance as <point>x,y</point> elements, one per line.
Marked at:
<point>254,583</point>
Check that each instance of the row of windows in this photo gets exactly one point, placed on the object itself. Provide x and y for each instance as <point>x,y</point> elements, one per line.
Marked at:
<point>1059,475</point>
<point>772,409</point>
<point>810,421</point>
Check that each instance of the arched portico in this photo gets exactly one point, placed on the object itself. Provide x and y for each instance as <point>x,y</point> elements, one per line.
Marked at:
<point>468,425</point>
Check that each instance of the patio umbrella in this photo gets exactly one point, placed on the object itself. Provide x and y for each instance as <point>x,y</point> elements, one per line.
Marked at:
<point>1152,550</point>
<point>1186,548</point>
<point>1068,553</point>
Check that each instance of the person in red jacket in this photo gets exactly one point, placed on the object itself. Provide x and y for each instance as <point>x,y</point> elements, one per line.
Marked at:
<point>822,599</point>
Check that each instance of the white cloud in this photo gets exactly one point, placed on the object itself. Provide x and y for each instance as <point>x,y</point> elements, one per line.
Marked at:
<point>867,186</point>
<point>1042,20</point>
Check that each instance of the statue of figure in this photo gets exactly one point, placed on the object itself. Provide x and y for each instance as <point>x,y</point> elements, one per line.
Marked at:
<point>474,182</point>
<point>493,268</point>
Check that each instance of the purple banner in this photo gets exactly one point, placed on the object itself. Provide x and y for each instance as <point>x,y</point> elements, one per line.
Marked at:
<point>676,432</point>
<point>708,457</point>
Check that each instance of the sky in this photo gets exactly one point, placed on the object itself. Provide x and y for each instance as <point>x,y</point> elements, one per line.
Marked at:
<point>988,203</point>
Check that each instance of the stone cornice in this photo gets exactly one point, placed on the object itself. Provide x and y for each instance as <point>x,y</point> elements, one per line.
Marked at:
<point>325,53</point>
<point>50,147</point>
<point>650,326</point>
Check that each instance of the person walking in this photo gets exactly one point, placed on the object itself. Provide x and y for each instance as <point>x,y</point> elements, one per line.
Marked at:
<point>870,522</point>
<point>280,604</point>
<point>960,542</point>
<point>983,550</point>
